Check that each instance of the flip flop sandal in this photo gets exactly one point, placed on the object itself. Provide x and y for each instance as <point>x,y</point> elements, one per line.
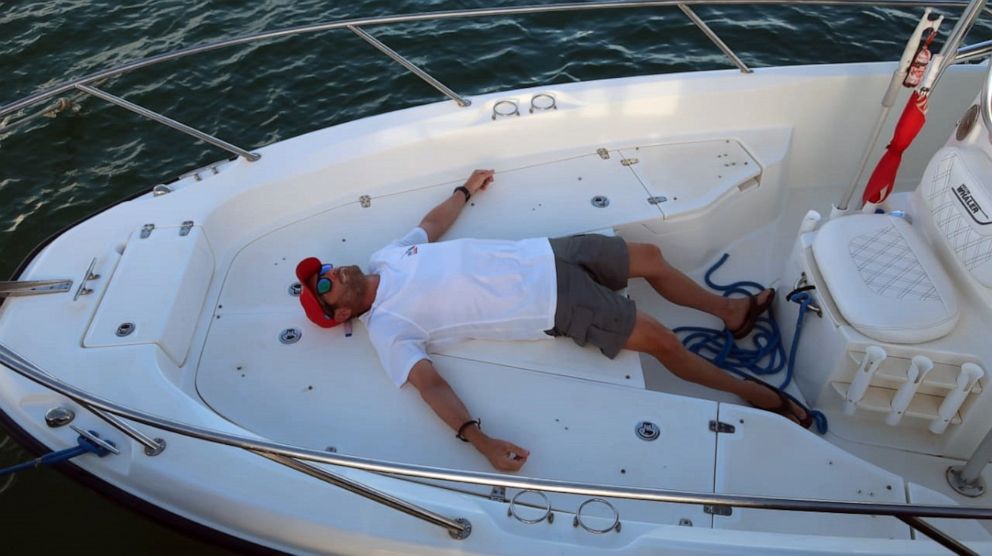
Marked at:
<point>784,408</point>
<point>754,310</point>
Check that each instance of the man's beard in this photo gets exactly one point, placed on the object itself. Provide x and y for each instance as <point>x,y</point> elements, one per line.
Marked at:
<point>355,285</point>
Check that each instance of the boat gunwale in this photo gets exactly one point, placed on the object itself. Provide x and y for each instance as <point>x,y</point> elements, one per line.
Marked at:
<point>11,360</point>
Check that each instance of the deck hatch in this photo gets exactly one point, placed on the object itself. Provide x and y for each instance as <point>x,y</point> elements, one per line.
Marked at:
<point>156,292</point>
<point>691,176</point>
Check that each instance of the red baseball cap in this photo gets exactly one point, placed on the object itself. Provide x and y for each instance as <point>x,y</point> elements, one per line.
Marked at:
<point>308,298</point>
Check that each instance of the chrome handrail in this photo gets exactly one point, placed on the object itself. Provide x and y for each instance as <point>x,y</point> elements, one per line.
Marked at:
<point>460,528</point>
<point>21,366</point>
<point>367,37</point>
<point>973,52</point>
<point>84,83</point>
<point>432,16</point>
<point>949,51</point>
<point>716,39</point>
<point>251,157</point>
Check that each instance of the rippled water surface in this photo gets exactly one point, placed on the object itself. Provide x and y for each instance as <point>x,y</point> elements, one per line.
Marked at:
<point>55,171</point>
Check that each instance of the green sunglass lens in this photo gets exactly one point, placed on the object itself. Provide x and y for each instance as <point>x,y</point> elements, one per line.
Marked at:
<point>323,286</point>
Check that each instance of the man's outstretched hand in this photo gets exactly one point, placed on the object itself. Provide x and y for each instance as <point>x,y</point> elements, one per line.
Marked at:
<point>479,180</point>
<point>503,455</point>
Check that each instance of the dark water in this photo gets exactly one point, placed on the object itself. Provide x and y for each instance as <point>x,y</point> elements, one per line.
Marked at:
<point>55,171</point>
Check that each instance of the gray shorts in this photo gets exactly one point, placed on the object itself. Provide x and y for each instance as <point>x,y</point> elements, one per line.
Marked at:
<point>590,268</point>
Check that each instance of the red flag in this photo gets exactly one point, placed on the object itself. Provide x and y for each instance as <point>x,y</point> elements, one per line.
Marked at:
<point>913,117</point>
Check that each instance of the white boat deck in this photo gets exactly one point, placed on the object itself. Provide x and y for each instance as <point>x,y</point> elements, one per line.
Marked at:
<point>210,355</point>
<point>574,409</point>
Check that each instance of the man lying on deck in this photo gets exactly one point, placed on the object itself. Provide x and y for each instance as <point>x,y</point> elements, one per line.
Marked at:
<point>420,294</point>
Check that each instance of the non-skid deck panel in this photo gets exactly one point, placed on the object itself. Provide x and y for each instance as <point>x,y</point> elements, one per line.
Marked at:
<point>327,390</point>
<point>546,200</point>
<point>763,458</point>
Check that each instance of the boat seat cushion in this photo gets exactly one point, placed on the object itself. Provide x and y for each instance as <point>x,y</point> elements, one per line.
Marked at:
<point>957,190</point>
<point>884,279</point>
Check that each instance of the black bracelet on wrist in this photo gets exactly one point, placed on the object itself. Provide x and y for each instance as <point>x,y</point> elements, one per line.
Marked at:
<point>465,425</point>
<point>464,190</point>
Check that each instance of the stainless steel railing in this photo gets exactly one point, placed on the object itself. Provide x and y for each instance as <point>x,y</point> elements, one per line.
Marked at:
<point>86,84</point>
<point>287,455</point>
<point>458,527</point>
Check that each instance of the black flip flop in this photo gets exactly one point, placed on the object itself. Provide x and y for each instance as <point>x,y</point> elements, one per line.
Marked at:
<point>754,310</point>
<point>784,408</point>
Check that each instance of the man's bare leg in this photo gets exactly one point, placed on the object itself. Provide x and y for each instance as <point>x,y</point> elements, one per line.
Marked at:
<point>651,337</point>
<point>646,261</point>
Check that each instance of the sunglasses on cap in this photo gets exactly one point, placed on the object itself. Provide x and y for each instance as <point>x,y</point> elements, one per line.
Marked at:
<point>324,284</point>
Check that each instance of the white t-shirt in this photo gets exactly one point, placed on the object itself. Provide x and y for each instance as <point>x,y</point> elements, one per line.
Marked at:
<point>433,295</point>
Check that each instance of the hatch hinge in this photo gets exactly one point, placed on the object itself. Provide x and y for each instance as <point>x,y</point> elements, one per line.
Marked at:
<point>498,494</point>
<point>146,230</point>
<point>629,161</point>
<point>718,509</point>
<point>187,226</point>
<point>365,201</point>
<point>603,153</point>
<point>720,426</point>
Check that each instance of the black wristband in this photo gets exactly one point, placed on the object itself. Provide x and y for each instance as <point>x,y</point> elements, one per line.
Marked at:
<point>464,190</point>
<point>466,425</point>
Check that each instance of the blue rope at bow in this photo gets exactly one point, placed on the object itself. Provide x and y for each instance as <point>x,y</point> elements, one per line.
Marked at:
<point>85,446</point>
<point>767,357</point>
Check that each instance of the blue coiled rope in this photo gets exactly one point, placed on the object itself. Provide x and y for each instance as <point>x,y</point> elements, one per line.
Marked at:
<point>767,357</point>
<point>85,446</point>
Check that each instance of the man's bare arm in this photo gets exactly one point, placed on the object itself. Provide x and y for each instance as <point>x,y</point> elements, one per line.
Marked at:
<point>441,217</point>
<point>503,455</point>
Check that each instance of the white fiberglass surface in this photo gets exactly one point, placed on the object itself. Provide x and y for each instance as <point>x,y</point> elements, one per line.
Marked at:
<point>574,409</point>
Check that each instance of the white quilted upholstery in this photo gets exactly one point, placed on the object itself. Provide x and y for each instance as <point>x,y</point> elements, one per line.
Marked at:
<point>884,279</point>
<point>959,205</point>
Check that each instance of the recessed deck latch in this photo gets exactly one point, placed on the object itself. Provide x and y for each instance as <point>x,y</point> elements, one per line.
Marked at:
<point>290,336</point>
<point>603,153</point>
<point>720,426</point>
<point>718,509</point>
<point>146,230</point>
<point>629,161</point>
<point>646,430</point>
<point>186,227</point>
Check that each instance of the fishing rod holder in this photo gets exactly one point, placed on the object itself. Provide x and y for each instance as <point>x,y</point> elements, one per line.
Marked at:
<point>511,510</point>
<point>613,526</point>
<point>505,109</point>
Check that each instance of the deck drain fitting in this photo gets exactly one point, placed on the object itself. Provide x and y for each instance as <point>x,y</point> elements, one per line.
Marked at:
<point>541,102</point>
<point>295,289</point>
<point>125,329</point>
<point>505,109</point>
<point>648,431</point>
<point>290,336</point>
<point>600,201</point>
